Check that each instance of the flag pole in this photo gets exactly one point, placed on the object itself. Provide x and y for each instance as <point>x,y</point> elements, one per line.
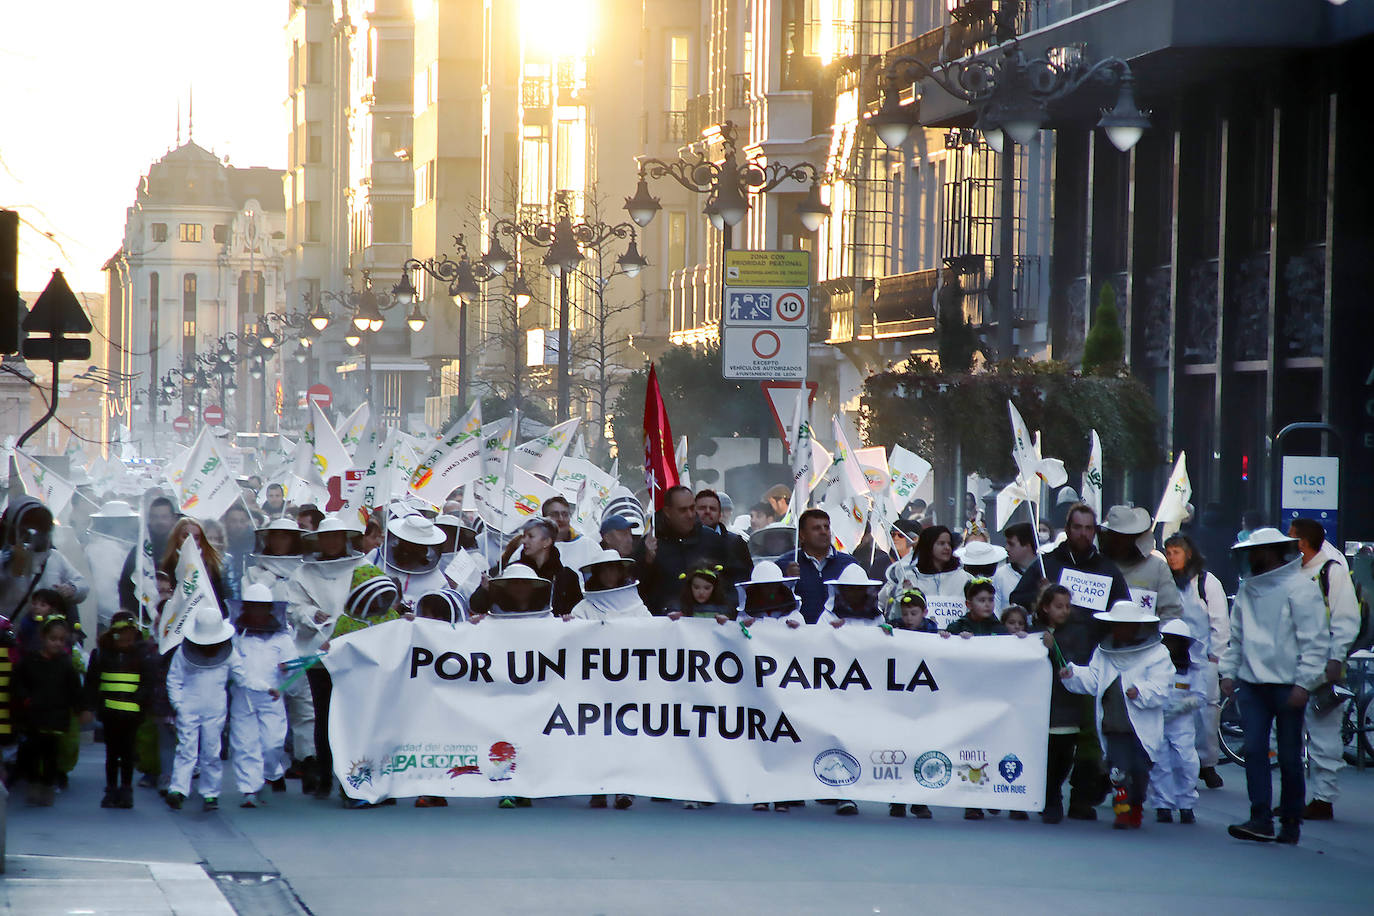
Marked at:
<point>1035,532</point>
<point>505,481</point>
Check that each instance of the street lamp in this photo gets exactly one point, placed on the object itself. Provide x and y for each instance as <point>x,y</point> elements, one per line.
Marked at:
<point>1012,95</point>
<point>565,240</point>
<point>366,318</point>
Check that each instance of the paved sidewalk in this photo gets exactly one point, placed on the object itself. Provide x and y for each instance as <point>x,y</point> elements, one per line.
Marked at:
<point>69,886</point>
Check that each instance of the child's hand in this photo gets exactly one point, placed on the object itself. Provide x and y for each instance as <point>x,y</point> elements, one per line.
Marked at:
<point>409,615</point>
<point>321,617</point>
<point>281,666</point>
<point>944,634</point>
<point>1021,634</point>
<point>274,693</point>
<point>745,621</point>
<point>324,647</point>
<point>1065,673</point>
<point>837,623</point>
<point>793,624</point>
<point>477,618</point>
<point>1132,693</point>
<point>966,635</point>
<point>1048,640</point>
<point>674,615</point>
<point>567,618</point>
<point>722,619</point>
<point>793,570</point>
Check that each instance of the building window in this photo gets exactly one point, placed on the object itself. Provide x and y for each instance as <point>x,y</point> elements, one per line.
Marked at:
<point>388,222</point>
<point>314,149</point>
<point>220,234</point>
<point>425,181</point>
<point>314,61</point>
<point>679,72</point>
<point>251,295</point>
<point>312,220</point>
<point>188,319</point>
<point>677,241</point>
<point>159,232</point>
<point>190,232</point>
<point>188,296</point>
<point>154,297</point>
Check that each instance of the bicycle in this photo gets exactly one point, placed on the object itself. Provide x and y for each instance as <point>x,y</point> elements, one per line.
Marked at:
<point>1357,727</point>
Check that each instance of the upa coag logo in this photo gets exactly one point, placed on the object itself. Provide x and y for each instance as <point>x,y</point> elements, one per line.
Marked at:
<point>502,757</point>
<point>1010,769</point>
<point>933,769</point>
<point>887,765</point>
<point>836,768</point>
<point>973,768</point>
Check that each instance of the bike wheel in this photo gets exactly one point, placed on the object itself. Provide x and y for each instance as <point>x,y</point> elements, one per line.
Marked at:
<point>1230,736</point>
<point>1357,731</point>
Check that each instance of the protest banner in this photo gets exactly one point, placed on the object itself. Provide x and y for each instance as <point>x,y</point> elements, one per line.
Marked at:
<point>207,489</point>
<point>193,593</point>
<point>688,709</point>
<point>52,490</point>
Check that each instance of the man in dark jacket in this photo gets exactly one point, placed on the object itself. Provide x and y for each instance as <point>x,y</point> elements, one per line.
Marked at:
<point>1095,583</point>
<point>817,561</point>
<point>682,542</point>
<point>708,509</point>
<point>162,515</point>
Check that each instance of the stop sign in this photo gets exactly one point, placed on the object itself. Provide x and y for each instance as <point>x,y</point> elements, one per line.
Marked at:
<point>182,424</point>
<point>319,394</point>
<point>214,415</point>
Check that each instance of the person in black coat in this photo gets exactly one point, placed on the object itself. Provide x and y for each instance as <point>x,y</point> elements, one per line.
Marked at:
<point>47,692</point>
<point>681,541</point>
<point>537,551</point>
<point>119,689</point>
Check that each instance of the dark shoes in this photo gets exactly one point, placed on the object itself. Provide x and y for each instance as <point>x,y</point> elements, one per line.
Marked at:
<point>596,801</point>
<point>1257,830</point>
<point>1289,831</point>
<point>847,808</point>
<point>1018,816</point>
<point>1210,778</point>
<point>111,799</point>
<point>623,801</point>
<point>1318,810</point>
<point>1082,813</point>
<point>896,810</point>
<point>126,797</point>
<point>431,801</point>
<point>920,812</point>
<point>1164,816</point>
<point>1052,814</point>
<point>175,800</point>
<point>973,814</point>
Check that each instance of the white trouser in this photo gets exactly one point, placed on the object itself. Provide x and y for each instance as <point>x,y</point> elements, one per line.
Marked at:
<point>300,712</point>
<point>1209,717</point>
<point>198,739</point>
<point>1325,752</point>
<point>1173,780</point>
<point>257,731</point>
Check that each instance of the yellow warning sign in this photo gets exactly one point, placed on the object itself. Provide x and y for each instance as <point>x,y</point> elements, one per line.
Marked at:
<point>768,268</point>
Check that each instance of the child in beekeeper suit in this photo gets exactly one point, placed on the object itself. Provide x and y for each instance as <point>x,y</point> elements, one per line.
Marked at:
<point>197,682</point>
<point>1173,781</point>
<point>1129,676</point>
<point>257,718</point>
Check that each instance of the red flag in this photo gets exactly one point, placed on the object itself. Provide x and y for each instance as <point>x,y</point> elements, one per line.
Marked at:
<point>660,467</point>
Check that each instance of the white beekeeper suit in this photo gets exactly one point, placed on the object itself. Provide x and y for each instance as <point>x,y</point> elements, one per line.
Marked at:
<point>411,555</point>
<point>1206,613</point>
<point>1325,748</point>
<point>201,670</point>
<point>769,596</point>
<point>257,720</point>
<point>276,573</point>
<point>603,604</point>
<point>1173,778</point>
<point>319,588</point>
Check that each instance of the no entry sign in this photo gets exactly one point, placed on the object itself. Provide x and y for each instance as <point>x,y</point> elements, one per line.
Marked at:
<point>214,415</point>
<point>182,424</point>
<point>319,394</point>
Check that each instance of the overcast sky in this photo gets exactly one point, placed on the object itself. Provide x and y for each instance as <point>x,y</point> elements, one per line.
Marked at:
<point>91,89</point>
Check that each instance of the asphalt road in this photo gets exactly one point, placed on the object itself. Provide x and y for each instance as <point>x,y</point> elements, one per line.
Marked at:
<point>299,855</point>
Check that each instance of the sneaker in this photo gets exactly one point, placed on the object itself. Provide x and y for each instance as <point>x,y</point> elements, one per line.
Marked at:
<point>278,785</point>
<point>126,797</point>
<point>973,814</point>
<point>1185,816</point>
<point>896,810</point>
<point>211,804</point>
<point>1164,816</point>
<point>431,801</point>
<point>761,806</point>
<point>111,798</point>
<point>1052,814</point>
<point>250,800</point>
<point>1289,830</point>
<point>1259,830</point>
<point>60,782</point>
<point>175,800</point>
<point>623,801</point>
<point>1082,813</point>
<point>846,808</point>
<point>507,802</point>
<point>356,804</point>
<point>921,812</point>
<point>523,802</point>
<point>596,801</point>
<point>147,781</point>
<point>1210,777</point>
<point>782,807</point>
<point>827,801</point>
<point>657,799</point>
<point>1318,810</point>
<point>693,806</point>
<point>1122,821</point>
<point>1018,816</point>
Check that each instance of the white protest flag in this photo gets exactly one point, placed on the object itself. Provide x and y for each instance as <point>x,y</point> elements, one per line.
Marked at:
<point>802,468</point>
<point>302,462</point>
<point>1032,467</point>
<point>540,455</point>
<point>1008,498</point>
<point>193,592</point>
<point>1173,505</point>
<point>847,498</point>
<point>873,464</point>
<point>175,468</point>
<point>1092,476</point>
<point>207,488</point>
<point>579,449</point>
<point>908,470</point>
<point>398,467</point>
<point>43,484</point>
<point>684,471</point>
<point>454,461</point>
<point>145,568</point>
<point>330,458</point>
<point>356,430</point>
<point>846,462</point>
<point>496,439</point>
<point>521,499</point>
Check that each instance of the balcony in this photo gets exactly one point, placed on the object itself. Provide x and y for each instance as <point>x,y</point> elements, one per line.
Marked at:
<point>675,126</point>
<point>391,92</point>
<point>903,304</point>
<point>739,90</point>
<point>535,92</point>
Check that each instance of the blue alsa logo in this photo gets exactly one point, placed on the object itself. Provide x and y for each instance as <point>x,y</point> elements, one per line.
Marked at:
<point>1309,480</point>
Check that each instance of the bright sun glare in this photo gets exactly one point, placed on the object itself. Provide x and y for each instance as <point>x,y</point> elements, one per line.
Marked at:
<point>557,27</point>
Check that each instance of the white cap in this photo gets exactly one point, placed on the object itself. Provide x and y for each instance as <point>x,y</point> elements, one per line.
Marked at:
<point>208,627</point>
<point>1126,612</point>
<point>853,574</point>
<point>1264,537</point>
<point>417,529</point>
<point>981,553</point>
<point>257,592</point>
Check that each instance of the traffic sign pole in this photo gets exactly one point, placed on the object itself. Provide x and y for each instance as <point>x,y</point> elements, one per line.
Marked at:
<point>56,313</point>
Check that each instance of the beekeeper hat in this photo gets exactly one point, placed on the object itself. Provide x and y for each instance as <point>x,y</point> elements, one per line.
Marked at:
<point>208,627</point>
<point>1126,612</point>
<point>853,574</point>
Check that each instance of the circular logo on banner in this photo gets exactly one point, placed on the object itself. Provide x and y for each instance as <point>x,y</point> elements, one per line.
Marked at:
<point>767,344</point>
<point>933,769</point>
<point>790,306</point>
<point>836,768</point>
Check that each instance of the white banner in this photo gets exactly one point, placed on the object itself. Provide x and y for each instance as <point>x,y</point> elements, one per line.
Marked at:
<point>689,709</point>
<point>193,593</point>
<point>207,489</point>
<point>454,461</point>
<point>49,488</point>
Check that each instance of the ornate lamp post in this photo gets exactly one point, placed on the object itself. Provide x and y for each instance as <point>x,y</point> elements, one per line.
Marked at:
<point>365,309</point>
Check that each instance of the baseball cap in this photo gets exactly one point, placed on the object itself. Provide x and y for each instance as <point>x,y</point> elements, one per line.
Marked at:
<point>616,523</point>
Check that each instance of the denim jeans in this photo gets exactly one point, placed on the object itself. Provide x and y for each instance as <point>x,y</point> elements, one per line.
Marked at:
<point>1261,706</point>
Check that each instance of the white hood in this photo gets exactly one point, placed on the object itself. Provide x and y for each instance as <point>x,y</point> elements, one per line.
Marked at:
<point>611,604</point>
<point>1278,629</point>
